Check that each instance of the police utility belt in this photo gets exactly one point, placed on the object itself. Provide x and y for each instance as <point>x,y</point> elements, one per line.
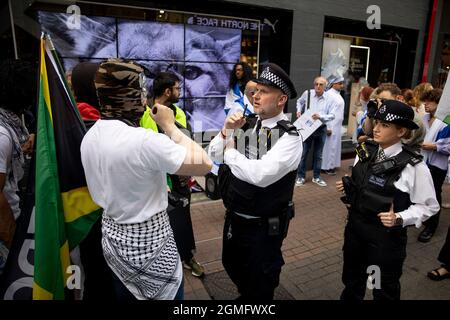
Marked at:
<point>276,225</point>
<point>271,205</point>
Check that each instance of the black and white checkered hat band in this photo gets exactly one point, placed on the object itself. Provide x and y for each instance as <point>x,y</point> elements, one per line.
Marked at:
<point>276,80</point>
<point>392,117</point>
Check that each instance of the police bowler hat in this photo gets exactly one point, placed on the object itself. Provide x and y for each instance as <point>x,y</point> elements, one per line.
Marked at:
<point>272,75</point>
<point>396,112</point>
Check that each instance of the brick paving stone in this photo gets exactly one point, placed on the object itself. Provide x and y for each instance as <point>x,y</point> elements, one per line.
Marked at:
<point>313,248</point>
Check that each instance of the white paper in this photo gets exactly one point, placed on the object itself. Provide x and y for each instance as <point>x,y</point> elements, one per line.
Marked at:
<point>306,124</point>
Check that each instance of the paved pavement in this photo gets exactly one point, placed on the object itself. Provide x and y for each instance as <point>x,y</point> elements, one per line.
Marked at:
<point>312,250</point>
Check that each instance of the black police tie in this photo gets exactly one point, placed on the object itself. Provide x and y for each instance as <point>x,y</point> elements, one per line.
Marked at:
<point>257,130</point>
<point>258,127</point>
<point>380,156</point>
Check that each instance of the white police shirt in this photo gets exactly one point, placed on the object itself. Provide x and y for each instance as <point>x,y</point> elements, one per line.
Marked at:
<point>126,168</point>
<point>281,159</point>
<point>417,182</point>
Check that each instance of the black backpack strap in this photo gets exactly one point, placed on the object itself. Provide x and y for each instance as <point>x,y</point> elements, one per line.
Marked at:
<point>309,100</point>
<point>414,156</point>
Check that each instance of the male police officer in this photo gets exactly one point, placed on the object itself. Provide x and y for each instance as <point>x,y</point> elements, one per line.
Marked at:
<point>257,185</point>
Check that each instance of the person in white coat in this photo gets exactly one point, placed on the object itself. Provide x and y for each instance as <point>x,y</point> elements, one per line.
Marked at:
<point>331,158</point>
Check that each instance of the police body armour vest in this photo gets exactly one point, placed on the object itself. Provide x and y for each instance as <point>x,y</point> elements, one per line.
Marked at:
<point>243,197</point>
<point>373,183</point>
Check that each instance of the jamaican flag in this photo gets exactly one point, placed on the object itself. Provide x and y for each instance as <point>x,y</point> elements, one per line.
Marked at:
<point>64,210</point>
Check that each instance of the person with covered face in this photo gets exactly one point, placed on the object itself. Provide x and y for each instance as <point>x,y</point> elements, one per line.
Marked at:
<point>390,189</point>
<point>166,91</point>
<point>256,178</point>
<point>120,159</point>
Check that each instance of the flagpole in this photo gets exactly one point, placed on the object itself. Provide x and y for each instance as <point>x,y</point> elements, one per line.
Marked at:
<point>51,47</point>
<point>16,55</point>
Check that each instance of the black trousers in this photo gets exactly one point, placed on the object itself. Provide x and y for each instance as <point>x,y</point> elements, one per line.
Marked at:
<point>371,244</point>
<point>181,223</point>
<point>251,257</point>
<point>438,176</point>
<point>444,254</point>
<point>98,284</point>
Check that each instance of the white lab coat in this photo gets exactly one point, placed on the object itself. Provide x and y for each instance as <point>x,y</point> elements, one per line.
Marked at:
<point>331,156</point>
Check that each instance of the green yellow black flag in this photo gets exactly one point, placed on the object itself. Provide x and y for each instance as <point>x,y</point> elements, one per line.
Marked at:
<point>64,210</point>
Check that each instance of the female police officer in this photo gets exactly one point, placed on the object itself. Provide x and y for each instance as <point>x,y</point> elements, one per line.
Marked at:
<point>390,188</point>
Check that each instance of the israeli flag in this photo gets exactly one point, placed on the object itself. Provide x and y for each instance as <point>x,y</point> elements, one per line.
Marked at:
<point>235,101</point>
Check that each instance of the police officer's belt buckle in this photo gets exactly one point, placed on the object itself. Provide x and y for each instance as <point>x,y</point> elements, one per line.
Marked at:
<point>362,152</point>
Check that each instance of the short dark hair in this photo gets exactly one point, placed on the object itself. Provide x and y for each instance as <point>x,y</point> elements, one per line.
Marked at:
<point>433,95</point>
<point>389,86</point>
<point>162,81</point>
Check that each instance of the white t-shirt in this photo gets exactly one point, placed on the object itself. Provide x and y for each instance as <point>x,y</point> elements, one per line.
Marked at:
<point>10,189</point>
<point>126,168</point>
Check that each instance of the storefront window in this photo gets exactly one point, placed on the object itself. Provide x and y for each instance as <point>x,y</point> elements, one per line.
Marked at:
<point>445,62</point>
<point>362,62</point>
<point>200,49</point>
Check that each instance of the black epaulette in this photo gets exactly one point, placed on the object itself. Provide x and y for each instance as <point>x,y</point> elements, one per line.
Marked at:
<point>288,127</point>
<point>416,157</point>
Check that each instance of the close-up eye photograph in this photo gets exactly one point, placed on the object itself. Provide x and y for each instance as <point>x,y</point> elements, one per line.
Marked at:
<point>225,158</point>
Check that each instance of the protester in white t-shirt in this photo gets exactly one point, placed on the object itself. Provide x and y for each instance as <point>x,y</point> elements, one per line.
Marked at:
<point>126,169</point>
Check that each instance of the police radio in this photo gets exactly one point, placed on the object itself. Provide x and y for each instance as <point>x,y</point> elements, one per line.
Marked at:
<point>172,107</point>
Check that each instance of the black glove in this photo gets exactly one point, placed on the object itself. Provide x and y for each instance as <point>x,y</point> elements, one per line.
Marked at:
<point>177,201</point>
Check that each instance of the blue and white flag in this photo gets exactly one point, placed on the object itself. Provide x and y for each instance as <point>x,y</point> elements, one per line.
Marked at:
<point>236,101</point>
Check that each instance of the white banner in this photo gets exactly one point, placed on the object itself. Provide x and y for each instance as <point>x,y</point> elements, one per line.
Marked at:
<point>443,109</point>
